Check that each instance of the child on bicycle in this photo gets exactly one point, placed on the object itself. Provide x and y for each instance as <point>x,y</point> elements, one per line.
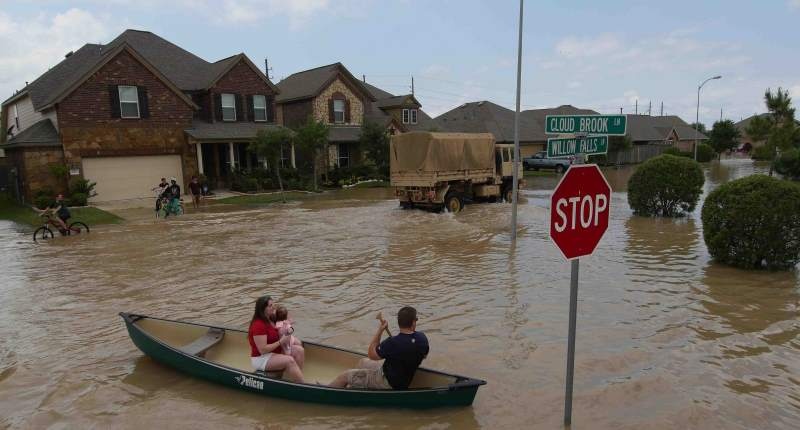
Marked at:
<point>60,209</point>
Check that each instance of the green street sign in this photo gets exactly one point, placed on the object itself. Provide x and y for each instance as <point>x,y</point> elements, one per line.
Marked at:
<point>586,124</point>
<point>591,145</point>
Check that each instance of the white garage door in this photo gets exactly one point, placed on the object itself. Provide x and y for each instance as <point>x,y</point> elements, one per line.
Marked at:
<point>121,178</point>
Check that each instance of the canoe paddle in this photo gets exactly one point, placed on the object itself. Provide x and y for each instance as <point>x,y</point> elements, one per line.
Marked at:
<point>379,317</point>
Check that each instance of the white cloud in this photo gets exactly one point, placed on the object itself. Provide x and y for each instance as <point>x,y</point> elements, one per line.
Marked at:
<point>793,4</point>
<point>247,12</point>
<point>32,45</point>
<point>588,47</point>
<point>574,84</point>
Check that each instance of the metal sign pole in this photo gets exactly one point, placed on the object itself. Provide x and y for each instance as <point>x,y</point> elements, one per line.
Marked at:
<point>573,314</point>
<point>515,182</point>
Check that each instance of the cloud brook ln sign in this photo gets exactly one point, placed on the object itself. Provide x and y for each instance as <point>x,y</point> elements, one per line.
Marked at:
<point>614,125</point>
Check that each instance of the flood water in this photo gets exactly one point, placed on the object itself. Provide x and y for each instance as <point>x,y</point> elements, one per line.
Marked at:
<point>666,338</point>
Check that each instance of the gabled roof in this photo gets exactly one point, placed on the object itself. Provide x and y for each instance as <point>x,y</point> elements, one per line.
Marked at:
<point>309,83</point>
<point>646,128</point>
<point>39,134</point>
<point>181,68</point>
<point>487,117</point>
<point>376,92</point>
<point>396,101</point>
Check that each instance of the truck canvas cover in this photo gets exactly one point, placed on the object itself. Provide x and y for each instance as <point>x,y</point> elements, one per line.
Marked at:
<point>423,151</point>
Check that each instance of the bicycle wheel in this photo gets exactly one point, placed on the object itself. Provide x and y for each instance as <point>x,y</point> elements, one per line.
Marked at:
<point>42,233</point>
<point>77,225</point>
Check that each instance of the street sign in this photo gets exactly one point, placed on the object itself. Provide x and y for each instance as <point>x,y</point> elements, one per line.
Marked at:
<point>579,210</point>
<point>591,145</point>
<point>614,125</point>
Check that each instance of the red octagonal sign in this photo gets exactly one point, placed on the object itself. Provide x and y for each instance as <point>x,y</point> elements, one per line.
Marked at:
<point>579,210</point>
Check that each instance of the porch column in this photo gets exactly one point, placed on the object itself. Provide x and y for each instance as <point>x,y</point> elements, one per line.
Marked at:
<point>294,165</point>
<point>199,157</point>
<point>232,153</point>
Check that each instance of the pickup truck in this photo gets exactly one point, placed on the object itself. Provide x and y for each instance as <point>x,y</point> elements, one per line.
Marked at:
<point>540,161</point>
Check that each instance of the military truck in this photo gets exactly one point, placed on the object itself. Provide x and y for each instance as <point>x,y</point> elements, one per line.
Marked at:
<point>445,171</point>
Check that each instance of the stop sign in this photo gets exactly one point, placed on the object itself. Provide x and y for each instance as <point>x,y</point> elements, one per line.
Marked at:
<point>579,210</point>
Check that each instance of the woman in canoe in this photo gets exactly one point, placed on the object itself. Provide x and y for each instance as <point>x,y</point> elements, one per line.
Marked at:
<point>266,352</point>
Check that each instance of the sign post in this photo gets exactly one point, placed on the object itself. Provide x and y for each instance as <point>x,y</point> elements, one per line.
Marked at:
<point>579,213</point>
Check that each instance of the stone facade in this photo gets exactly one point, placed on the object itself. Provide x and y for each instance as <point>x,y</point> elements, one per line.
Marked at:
<point>320,104</point>
<point>33,166</point>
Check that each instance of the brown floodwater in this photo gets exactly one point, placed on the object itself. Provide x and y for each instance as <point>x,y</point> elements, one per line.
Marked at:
<point>666,338</point>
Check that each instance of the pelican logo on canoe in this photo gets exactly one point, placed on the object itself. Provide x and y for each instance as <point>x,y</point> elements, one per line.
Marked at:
<point>249,382</point>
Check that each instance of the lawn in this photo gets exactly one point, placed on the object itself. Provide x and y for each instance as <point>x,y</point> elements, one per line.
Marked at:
<point>12,211</point>
<point>264,199</point>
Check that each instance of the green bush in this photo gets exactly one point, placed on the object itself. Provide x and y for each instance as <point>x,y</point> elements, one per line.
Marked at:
<point>705,153</point>
<point>78,199</point>
<point>666,185</point>
<point>677,152</point>
<point>788,164</point>
<point>754,223</point>
<point>763,153</point>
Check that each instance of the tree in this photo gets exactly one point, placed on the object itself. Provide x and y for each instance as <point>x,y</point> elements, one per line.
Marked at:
<point>699,126</point>
<point>375,142</point>
<point>268,145</point>
<point>312,137</point>
<point>724,136</point>
<point>778,128</point>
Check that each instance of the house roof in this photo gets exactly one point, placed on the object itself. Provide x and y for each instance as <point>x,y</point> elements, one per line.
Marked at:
<point>539,116</point>
<point>396,101</point>
<point>487,117</point>
<point>309,83</point>
<point>227,131</point>
<point>743,124</point>
<point>376,92</point>
<point>40,134</point>
<point>181,68</point>
<point>646,128</point>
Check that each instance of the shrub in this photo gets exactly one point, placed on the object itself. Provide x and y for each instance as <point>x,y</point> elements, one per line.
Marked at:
<point>762,153</point>
<point>82,186</point>
<point>705,153</point>
<point>677,152</point>
<point>788,164</point>
<point>754,223</point>
<point>78,199</point>
<point>666,186</point>
<point>43,197</point>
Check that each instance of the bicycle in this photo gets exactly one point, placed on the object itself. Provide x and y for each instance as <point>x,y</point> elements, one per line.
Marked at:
<point>167,207</point>
<point>46,233</point>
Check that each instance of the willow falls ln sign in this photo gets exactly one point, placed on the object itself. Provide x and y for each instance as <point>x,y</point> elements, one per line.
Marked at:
<point>614,125</point>
<point>591,145</point>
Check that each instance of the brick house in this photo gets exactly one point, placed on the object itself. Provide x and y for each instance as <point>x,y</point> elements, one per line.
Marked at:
<point>132,111</point>
<point>331,94</point>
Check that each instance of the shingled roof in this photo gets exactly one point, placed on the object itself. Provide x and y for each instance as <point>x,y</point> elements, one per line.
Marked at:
<point>487,117</point>
<point>183,69</point>
<point>309,83</point>
<point>40,134</point>
<point>646,128</point>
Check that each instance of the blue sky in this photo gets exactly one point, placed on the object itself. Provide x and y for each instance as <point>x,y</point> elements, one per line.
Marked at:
<point>599,55</point>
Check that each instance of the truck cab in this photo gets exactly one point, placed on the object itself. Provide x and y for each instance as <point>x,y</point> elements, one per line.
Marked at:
<point>504,160</point>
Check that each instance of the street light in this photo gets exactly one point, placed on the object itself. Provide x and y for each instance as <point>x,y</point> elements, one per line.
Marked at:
<point>697,118</point>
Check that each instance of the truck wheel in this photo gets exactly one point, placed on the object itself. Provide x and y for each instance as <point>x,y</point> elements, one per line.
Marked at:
<point>453,203</point>
<point>560,168</point>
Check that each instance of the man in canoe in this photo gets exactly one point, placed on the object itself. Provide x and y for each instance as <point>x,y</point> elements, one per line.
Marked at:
<point>401,355</point>
<point>266,344</point>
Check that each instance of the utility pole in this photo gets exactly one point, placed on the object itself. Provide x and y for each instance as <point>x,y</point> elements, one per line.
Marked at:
<point>650,108</point>
<point>620,111</point>
<point>662,109</point>
<point>720,114</point>
<point>636,108</point>
<point>412,85</point>
<point>364,78</point>
<point>267,69</point>
<point>516,159</point>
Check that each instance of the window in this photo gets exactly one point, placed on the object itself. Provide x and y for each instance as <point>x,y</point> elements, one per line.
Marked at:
<point>128,101</point>
<point>413,116</point>
<point>228,102</point>
<point>16,119</point>
<point>344,155</point>
<point>260,108</point>
<point>338,111</point>
<point>406,115</point>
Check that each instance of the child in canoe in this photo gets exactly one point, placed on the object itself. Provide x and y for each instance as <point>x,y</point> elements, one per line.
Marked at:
<point>285,327</point>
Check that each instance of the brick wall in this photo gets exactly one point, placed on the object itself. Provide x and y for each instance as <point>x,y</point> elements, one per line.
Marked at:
<point>243,80</point>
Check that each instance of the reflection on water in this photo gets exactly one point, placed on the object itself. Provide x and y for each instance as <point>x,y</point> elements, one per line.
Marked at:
<point>666,338</point>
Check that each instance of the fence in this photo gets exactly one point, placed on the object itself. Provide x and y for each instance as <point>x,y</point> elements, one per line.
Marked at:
<point>636,154</point>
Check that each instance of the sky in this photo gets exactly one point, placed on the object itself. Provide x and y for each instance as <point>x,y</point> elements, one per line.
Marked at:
<point>599,55</point>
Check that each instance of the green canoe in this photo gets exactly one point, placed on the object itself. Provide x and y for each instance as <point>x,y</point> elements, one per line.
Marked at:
<point>222,355</point>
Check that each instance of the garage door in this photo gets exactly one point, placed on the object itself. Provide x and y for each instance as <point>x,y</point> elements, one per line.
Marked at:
<point>121,178</point>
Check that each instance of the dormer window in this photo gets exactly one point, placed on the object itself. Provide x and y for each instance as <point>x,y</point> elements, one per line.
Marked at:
<point>413,116</point>
<point>409,116</point>
<point>228,102</point>
<point>338,111</point>
<point>260,108</point>
<point>128,101</point>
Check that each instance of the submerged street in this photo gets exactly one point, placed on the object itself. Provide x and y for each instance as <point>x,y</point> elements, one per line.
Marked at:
<point>665,337</point>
